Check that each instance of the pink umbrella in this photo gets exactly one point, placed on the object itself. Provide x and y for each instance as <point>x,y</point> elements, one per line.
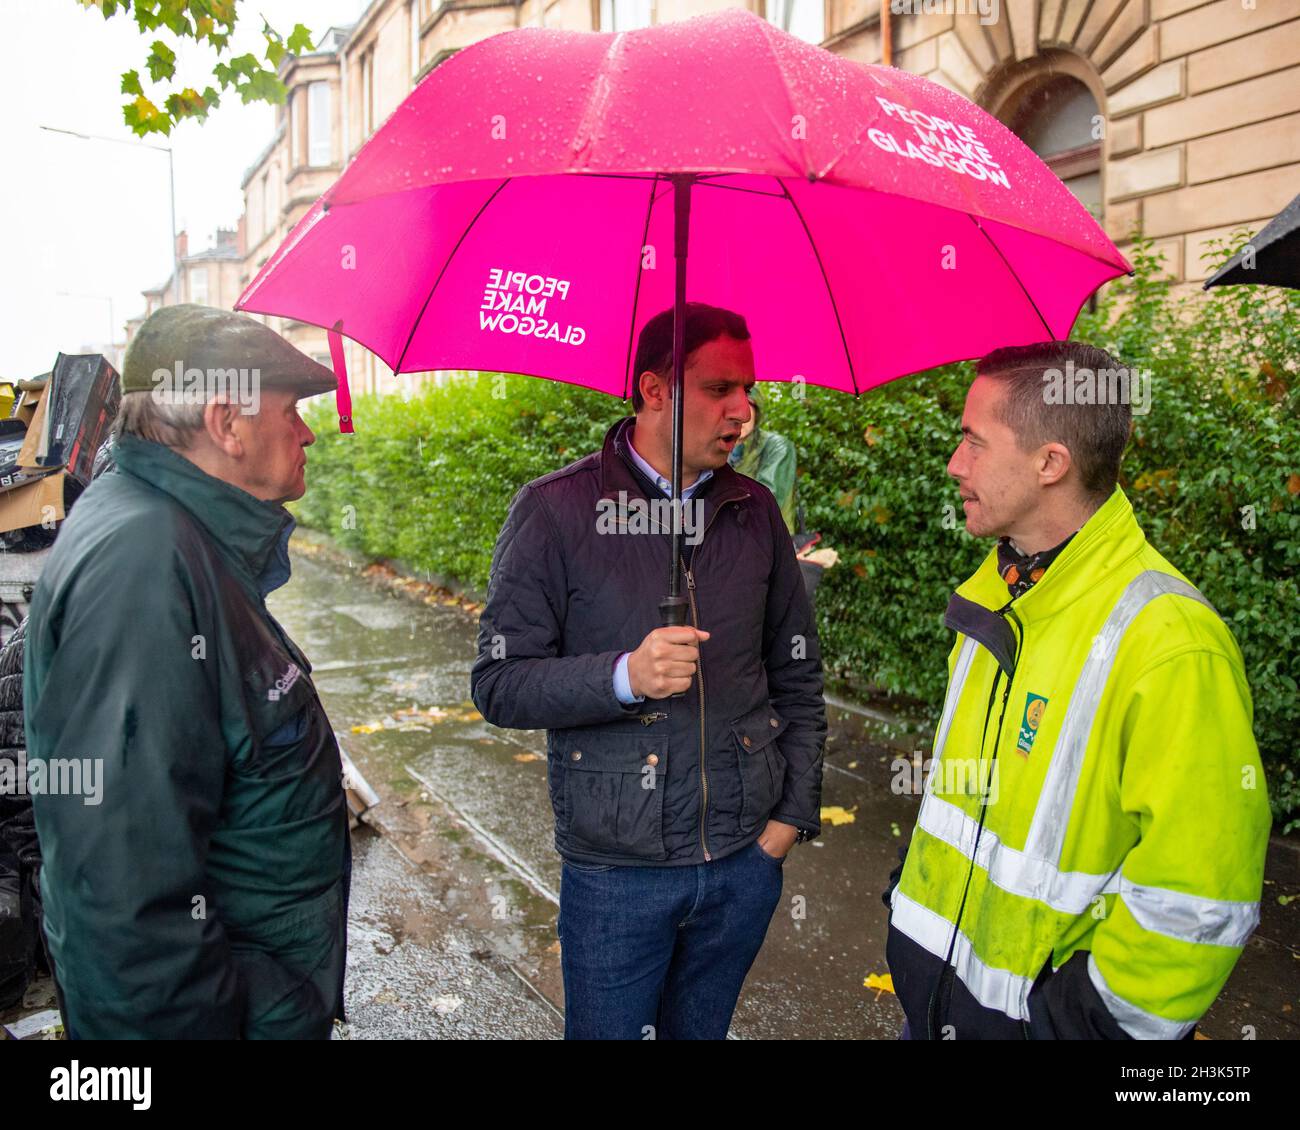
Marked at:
<point>517,211</point>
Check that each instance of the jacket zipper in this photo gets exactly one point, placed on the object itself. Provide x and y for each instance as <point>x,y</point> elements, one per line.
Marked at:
<point>699,673</point>
<point>647,719</point>
<point>949,970</point>
<point>699,679</point>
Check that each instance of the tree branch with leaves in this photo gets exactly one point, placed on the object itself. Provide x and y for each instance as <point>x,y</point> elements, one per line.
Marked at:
<point>203,21</point>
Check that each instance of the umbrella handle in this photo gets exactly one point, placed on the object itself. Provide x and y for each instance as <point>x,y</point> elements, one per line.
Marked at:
<point>672,611</point>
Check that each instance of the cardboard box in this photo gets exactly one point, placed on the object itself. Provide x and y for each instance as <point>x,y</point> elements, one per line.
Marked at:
<point>32,412</point>
<point>33,503</point>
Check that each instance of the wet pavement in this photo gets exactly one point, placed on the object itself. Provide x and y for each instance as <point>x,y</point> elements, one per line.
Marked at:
<point>453,919</point>
<point>416,971</point>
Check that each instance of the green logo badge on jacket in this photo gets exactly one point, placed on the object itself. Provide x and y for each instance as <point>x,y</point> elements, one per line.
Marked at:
<point>1035,704</point>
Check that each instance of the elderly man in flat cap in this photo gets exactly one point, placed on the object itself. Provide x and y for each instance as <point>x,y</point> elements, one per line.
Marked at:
<point>201,891</point>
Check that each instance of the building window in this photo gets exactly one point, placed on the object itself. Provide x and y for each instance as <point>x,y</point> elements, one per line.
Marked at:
<point>199,285</point>
<point>415,38</point>
<point>319,144</point>
<point>295,154</point>
<point>624,15</point>
<point>270,204</point>
<point>1058,118</point>
<point>804,18</point>
<point>367,93</point>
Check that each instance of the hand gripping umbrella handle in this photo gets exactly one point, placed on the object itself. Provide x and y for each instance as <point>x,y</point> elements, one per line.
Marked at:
<point>672,611</point>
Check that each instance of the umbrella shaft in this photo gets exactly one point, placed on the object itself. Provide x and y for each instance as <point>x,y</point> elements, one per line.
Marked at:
<point>681,232</point>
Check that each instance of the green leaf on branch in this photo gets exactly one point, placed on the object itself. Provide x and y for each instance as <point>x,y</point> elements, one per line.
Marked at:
<point>145,18</point>
<point>143,117</point>
<point>200,21</point>
<point>300,40</point>
<point>161,61</point>
<point>245,64</point>
<point>106,7</point>
<point>263,87</point>
<point>189,103</point>
<point>176,21</point>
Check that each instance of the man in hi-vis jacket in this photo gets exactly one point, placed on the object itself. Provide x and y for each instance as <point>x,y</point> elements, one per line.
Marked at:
<point>1089,854</point>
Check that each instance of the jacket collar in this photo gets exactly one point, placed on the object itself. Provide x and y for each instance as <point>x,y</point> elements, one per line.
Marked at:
<point>252,533</point>
<point>619,473</point>
<point>1102,548</point>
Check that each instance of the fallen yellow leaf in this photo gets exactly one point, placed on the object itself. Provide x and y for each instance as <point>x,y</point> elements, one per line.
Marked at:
<point>836,814</point>
<point>881,982</point>
<point>528,757</point>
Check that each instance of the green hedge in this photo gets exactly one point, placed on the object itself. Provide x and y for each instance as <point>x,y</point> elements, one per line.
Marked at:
<point>428,480</point>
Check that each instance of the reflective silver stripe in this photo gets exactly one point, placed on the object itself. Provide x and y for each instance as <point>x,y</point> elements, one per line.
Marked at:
<point>1190,918</point>
<point>1139,1024</point>
<point>1070,892</point>
<point>994,988</point>
<point>957,684</point>
<point>1052,814</point>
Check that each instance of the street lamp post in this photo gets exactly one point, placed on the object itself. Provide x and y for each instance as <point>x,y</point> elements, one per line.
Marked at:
<point>171,188</point>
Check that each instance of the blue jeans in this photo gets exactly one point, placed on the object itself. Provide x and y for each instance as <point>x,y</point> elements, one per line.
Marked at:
<point>661,952</point>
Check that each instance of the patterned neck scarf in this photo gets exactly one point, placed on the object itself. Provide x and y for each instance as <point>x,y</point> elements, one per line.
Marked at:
<point>1022,571</point>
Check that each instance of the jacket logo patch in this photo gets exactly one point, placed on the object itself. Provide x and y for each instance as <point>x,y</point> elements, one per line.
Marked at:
<point>284,683</point>
<point>1035,704</point>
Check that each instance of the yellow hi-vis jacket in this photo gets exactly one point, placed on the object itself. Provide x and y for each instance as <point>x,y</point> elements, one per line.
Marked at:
<point>1089,854</point>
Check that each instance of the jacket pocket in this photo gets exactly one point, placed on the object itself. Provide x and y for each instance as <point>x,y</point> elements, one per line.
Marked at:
<point>297,957</point>
<point>278,699</point>
<point>613,792</point>
<point>762,765</point>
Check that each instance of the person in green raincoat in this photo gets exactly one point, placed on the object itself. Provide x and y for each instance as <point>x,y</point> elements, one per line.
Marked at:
<point>770,458</point>
<point>185,780</point>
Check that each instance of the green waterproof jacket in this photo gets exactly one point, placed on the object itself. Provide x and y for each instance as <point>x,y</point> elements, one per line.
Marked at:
<point>186,781</point>
<point>770,458</point>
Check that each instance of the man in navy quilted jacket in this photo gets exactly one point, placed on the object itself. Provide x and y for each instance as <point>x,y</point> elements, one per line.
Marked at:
<point>684,762</point>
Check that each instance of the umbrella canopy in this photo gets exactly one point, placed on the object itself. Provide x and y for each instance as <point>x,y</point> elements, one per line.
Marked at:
<point>1272,258</point>
<point>520,211</point>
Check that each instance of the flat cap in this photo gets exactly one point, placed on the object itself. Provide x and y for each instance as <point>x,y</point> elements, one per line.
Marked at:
<point>177,340</point>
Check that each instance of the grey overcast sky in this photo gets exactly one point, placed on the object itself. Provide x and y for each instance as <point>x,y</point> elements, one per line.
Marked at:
<point>91,218</point>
